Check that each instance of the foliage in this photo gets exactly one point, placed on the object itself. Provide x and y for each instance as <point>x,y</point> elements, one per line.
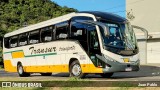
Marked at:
<point>130,15</point>
<point>1,56</point>
<point>15,14</point>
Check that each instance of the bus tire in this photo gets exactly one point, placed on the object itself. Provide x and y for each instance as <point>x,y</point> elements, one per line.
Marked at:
<point>46,74</point>
<point>75,70</point>
<point>21,71</point>
<point>106,75</point>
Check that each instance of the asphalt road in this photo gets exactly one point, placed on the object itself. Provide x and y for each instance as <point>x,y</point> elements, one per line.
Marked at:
<point>151,73</point>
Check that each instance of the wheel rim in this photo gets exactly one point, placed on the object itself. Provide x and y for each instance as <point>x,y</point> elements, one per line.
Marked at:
<point>76,70</point>
<point>20,70</point>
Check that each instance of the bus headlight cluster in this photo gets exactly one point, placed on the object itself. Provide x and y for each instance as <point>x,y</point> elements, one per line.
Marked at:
<point>110,59</point>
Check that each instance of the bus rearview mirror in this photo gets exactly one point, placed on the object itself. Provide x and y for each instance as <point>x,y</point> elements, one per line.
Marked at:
<point>106,31</point>
<point>103,26</point>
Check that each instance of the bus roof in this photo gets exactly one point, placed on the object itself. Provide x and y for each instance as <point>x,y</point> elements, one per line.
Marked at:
<point>107,16</point>
<point>104,15</point>
<point>41,24</point>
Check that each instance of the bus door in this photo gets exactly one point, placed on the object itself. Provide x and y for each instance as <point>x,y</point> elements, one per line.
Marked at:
<point>79,33</point>
<point>93,44</point>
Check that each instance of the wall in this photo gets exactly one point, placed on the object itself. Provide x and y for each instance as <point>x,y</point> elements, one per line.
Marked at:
<point>146,14</point>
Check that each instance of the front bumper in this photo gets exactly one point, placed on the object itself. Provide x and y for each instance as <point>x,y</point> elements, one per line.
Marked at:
<point>121,68</point>
<point>115,66</point>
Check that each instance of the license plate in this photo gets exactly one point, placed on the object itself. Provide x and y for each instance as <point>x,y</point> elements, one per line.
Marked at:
<point>128,69</point>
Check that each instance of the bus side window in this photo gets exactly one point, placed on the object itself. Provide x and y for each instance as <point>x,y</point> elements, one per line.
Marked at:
<point>14,41</point>
<point>94,43</point>
<point>61,30</point>
<point>54,32</point>
<point>6,42</point>
<point>46,34</point>
<point>34,37</point>
<point>23,38</point>
<point>78,31</point>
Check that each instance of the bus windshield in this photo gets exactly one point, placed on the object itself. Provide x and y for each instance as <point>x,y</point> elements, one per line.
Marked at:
<point>130,36</point>
<point>121,40</point>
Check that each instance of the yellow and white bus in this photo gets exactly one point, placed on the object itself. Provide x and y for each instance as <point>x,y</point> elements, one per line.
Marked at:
<point>79,43</point>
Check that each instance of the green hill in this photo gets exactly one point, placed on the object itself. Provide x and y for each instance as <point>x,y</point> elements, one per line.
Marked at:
<point>15,14</point>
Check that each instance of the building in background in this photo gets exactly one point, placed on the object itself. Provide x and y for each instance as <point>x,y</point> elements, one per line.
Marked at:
<point>146,14</point>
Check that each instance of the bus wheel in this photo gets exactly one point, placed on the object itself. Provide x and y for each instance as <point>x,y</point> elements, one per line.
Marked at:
<point>106,75</point>
<point>75,70</point>
<point>46,74</point>
<point>21,71</point>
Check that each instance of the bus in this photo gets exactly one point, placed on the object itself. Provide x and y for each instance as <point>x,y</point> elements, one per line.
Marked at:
<point>79,43</point>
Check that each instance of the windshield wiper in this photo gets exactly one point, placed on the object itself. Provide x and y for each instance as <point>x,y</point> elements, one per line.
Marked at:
<point>128,43</point>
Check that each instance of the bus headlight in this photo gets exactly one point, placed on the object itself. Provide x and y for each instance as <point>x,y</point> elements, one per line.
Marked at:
<point>110,59</point>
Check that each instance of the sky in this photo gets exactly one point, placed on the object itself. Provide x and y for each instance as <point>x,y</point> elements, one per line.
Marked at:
<point>113,6</point>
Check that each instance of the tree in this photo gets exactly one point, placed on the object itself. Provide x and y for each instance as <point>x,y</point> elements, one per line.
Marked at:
<point>15,13</point>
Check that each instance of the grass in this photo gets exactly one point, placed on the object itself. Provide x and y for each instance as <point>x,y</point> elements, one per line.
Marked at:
<point>75,79</point>
<point>37,78</point>
<point>73,88</point>
<point>24,88</point>
<point>137,88</point>
<point>41,78</point>
<point>85,88</point>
